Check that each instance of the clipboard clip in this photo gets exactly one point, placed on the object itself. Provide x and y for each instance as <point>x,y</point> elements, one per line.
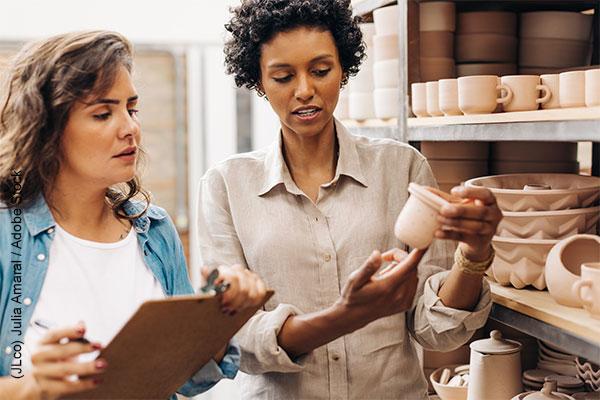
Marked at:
<point>210,287</point>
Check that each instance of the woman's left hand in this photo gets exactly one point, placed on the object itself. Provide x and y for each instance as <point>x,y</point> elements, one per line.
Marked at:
<point>472,221</point>
<point>246,289</point>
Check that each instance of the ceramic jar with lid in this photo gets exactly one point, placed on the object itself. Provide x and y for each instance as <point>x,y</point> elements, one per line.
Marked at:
<point>548,392</point>
<point>495,368</point>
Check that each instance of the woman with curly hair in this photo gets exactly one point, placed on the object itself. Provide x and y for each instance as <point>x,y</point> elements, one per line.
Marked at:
<point>307,213</point>
<point>76,244</point>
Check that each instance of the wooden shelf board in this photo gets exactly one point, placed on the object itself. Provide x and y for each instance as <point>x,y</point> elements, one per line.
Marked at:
<point>541,306</point>
<point>362,7</point>
<point>371,123</point>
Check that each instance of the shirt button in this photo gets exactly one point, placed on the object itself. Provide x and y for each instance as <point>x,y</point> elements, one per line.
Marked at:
<point>327,257</point>
<point>335,357</point>
<point>8,350</point>
<point>41,257</point>
<point>51,230</point>
<point>27,301</point>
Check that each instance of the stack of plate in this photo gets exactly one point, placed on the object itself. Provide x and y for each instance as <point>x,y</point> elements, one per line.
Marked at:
<point>437,23</point>
<point>589,372</point>
<point>527,157</point>
<point>360,88</point>
<point>539,210</point>
<point>386,65</point>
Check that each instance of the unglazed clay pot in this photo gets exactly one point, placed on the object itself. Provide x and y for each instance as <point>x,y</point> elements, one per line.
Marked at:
<point>534,151</point>
<point>499,69</point>
<point>563,266</point>
<point>560,191</point>
<point>385,74</point>
<point>572,89</point>
<point>556,24</point>
<point>457,170</point>
<point>387,102</point>
<point>592,87</point>
<point>485,47</point>
<point>455,150</point>
<point>526,92</point>
<point>500,22</point>
<point>553,53</point>
<point>552,225</point>
<point>386,47</point>
<point>436,44</point>
<point>587,289</point>
<point>435,68</point>
<point>419,99</point>
<point>548,392</point>
<point>361,106</point>
<point>386,20</point>
<point>433,103</point>
<point>417,221</point>
<point>448,97</point>
<point>479,94</point>
<point>437,16</point>
<point>512,167</point>
<point>495,368</point>
<point>552,82</point>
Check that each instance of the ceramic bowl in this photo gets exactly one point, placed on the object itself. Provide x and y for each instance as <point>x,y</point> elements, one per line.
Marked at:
<point>485,47</point>
<point>447,392</point>
<point>559,368</point>
<point>520,262</point>
<point>563,266</point>
<point>436,44</point>
<point>362,82</point>
<point>500,22</point>
<point>418,99</point>
<point>455,150</point>
<point>565,191</point>
<point>534,151</point>
<point>368,31</point>
<point>549,224</point>
<point>385,47</point>
<point>435,68</point>
<point>361,106</point>
<point>387,102</point>
<point>437,16</point>
<point>385,74</point>
<point>386,20</point>
<point>512,167</point>
<point>342,108</point>
<point>553,53</point>
<point>556,25</point>
<point>498,69</point>
<point>457,170</point>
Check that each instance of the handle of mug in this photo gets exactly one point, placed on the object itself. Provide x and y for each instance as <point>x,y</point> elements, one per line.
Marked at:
<point>509,94</point>
<point>546,96</point>
<point>580,293</point>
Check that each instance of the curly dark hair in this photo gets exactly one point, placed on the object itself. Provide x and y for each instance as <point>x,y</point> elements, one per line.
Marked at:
<point>255,22</point>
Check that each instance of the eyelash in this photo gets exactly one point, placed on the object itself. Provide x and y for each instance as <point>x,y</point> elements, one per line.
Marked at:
<point>320,73</point>
<point>104,116</point>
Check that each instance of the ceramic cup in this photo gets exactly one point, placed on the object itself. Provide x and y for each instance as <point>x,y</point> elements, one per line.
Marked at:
<point>433,104</point>
<point>572,89</point>
<point>417,222</point>
<point>587,289</point>
<point>592,87</point>
<point>552,81</point>
<point>525,89</point>
<point>419,99</point>
<point>448,96</point>
<point>478,94</point>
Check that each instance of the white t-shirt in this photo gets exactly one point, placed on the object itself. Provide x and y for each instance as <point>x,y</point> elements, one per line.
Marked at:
<point>101,284</point>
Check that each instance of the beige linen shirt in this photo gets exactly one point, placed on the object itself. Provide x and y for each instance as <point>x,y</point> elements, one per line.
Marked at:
<point>251,212</point>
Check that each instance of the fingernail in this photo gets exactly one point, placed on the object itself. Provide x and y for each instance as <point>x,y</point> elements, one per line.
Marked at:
<point>101,364</point>
<point>96,346</point>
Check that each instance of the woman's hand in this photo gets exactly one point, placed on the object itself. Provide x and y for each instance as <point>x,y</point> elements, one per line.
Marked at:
<point>472,222</point>
<point>54,365</point>
<point>246,289</point>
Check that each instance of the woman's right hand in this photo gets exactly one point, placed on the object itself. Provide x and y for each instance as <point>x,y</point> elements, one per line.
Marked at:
<point>54,363</point>
<point>368,296</point>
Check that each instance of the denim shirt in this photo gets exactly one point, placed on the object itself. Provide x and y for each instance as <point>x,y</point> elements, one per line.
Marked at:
<point>25,239</point>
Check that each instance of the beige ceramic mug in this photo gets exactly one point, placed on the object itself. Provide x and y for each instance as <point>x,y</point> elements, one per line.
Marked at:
<point>418,94</point>
<point>478,94</point>
<point>433,105</point>
<point>552,81</point>
<point>572,89</point>
<point>587,289</point>
<point>525,90</point>
<point>592,87</point>
<point>448,97</point>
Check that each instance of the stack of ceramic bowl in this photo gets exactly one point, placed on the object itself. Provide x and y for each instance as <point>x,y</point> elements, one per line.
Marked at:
<point>342,110</point>
<point>554,40</point>
<point>558,361</point>
<point>453,163</point>
<point>529,157</point>
<point>360,87</point>
<point>539,210</point>
<point>386,68</point>
<point>486,43</point>
<point>589,372</point>
<point>437,22</point>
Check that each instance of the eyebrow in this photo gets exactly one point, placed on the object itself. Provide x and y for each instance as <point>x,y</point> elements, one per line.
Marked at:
<point>316,59</point>
<point>112,101</point>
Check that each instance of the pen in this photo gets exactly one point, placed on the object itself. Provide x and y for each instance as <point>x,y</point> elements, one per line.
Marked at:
<point>48,325</point>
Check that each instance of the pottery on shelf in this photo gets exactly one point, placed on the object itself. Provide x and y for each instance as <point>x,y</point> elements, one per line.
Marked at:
<point>481,94</point>
<point>386,102</point>
<point>534,151</point>
<point>511,167</point>
<point>587,289</point>
<point>386,20</point>
<point>556,24</point>
<point>500,22</point>
<point>571,89</point>
<point>433,102</point>
<point>385,74</point>
<point>418,95</point>
<point>362,82</point>
<point>342,109</point>
<point>560,191</point>
<point>448,97</point>
<point>485,47</point>
<point>385,47</point>
<point>563,266</point>
<point>498,69</point>
<point>552,81</point>
<point>437,16</point>
<point>435,68</point>
<point>361,106</point>
<point>455,150</point>
<point>528,92</point>
<point>549,392</point>
<point>553,53</point>
<point>436,44</point>
<point>592,87</point>
<point>457,170</point>
<point>445,390</point>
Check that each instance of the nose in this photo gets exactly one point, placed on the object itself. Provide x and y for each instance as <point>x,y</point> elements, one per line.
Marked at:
<point>129,127</point>
<point>305,89</point>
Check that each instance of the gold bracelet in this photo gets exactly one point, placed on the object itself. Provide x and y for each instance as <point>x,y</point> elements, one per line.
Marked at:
<point>473,267</point>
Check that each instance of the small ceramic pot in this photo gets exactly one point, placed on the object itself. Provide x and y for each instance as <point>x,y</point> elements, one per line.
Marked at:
<point>435,68</point>
<point>457,170</point>
<point>386,20</point>
<point>448,97</point>
<point>437,16</point>
<point>495,368</point>
<point>563,266</point>
<point>486,47</point>
<point>556,25</point>
<point>572,89</point>
<point>552,82</point>
<point>417,221</point>
<point>525,89</point>
<point>418,94</point>
<point>362,82</point>
<point>385,47</point>
<point>479,94</point>
<point>498,167</point>
<point>368,31</point>
<point>534,151</point>
<point>433,104</point>
<point>436,44</point>
<point>500,22</point>
<point>592,87</point>
<point>553,53</point>
<point>385,74</point>
<point>361,106</point>
<point>387,103</point>
<point>587,289</point>
<point>549,392</point>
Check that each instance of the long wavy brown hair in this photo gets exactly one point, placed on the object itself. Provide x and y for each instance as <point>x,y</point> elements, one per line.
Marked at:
<point>43,82</point>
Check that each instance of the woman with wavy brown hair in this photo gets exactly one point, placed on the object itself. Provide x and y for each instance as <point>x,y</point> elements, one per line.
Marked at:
<point>82,247</point>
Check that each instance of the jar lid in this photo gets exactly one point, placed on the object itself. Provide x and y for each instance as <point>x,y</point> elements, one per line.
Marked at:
<point>496,344</point>
<point>548,393</point>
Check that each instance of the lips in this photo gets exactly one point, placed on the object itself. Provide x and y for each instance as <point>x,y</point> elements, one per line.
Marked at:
<point>307,113</point>
<point>129,151</point>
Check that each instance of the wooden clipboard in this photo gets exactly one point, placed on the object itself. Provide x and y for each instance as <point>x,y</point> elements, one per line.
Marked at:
<point>163,344</point>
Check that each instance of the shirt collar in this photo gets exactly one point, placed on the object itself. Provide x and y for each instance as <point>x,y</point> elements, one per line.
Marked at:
<point>38,217</point>
<point>349,164</point>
